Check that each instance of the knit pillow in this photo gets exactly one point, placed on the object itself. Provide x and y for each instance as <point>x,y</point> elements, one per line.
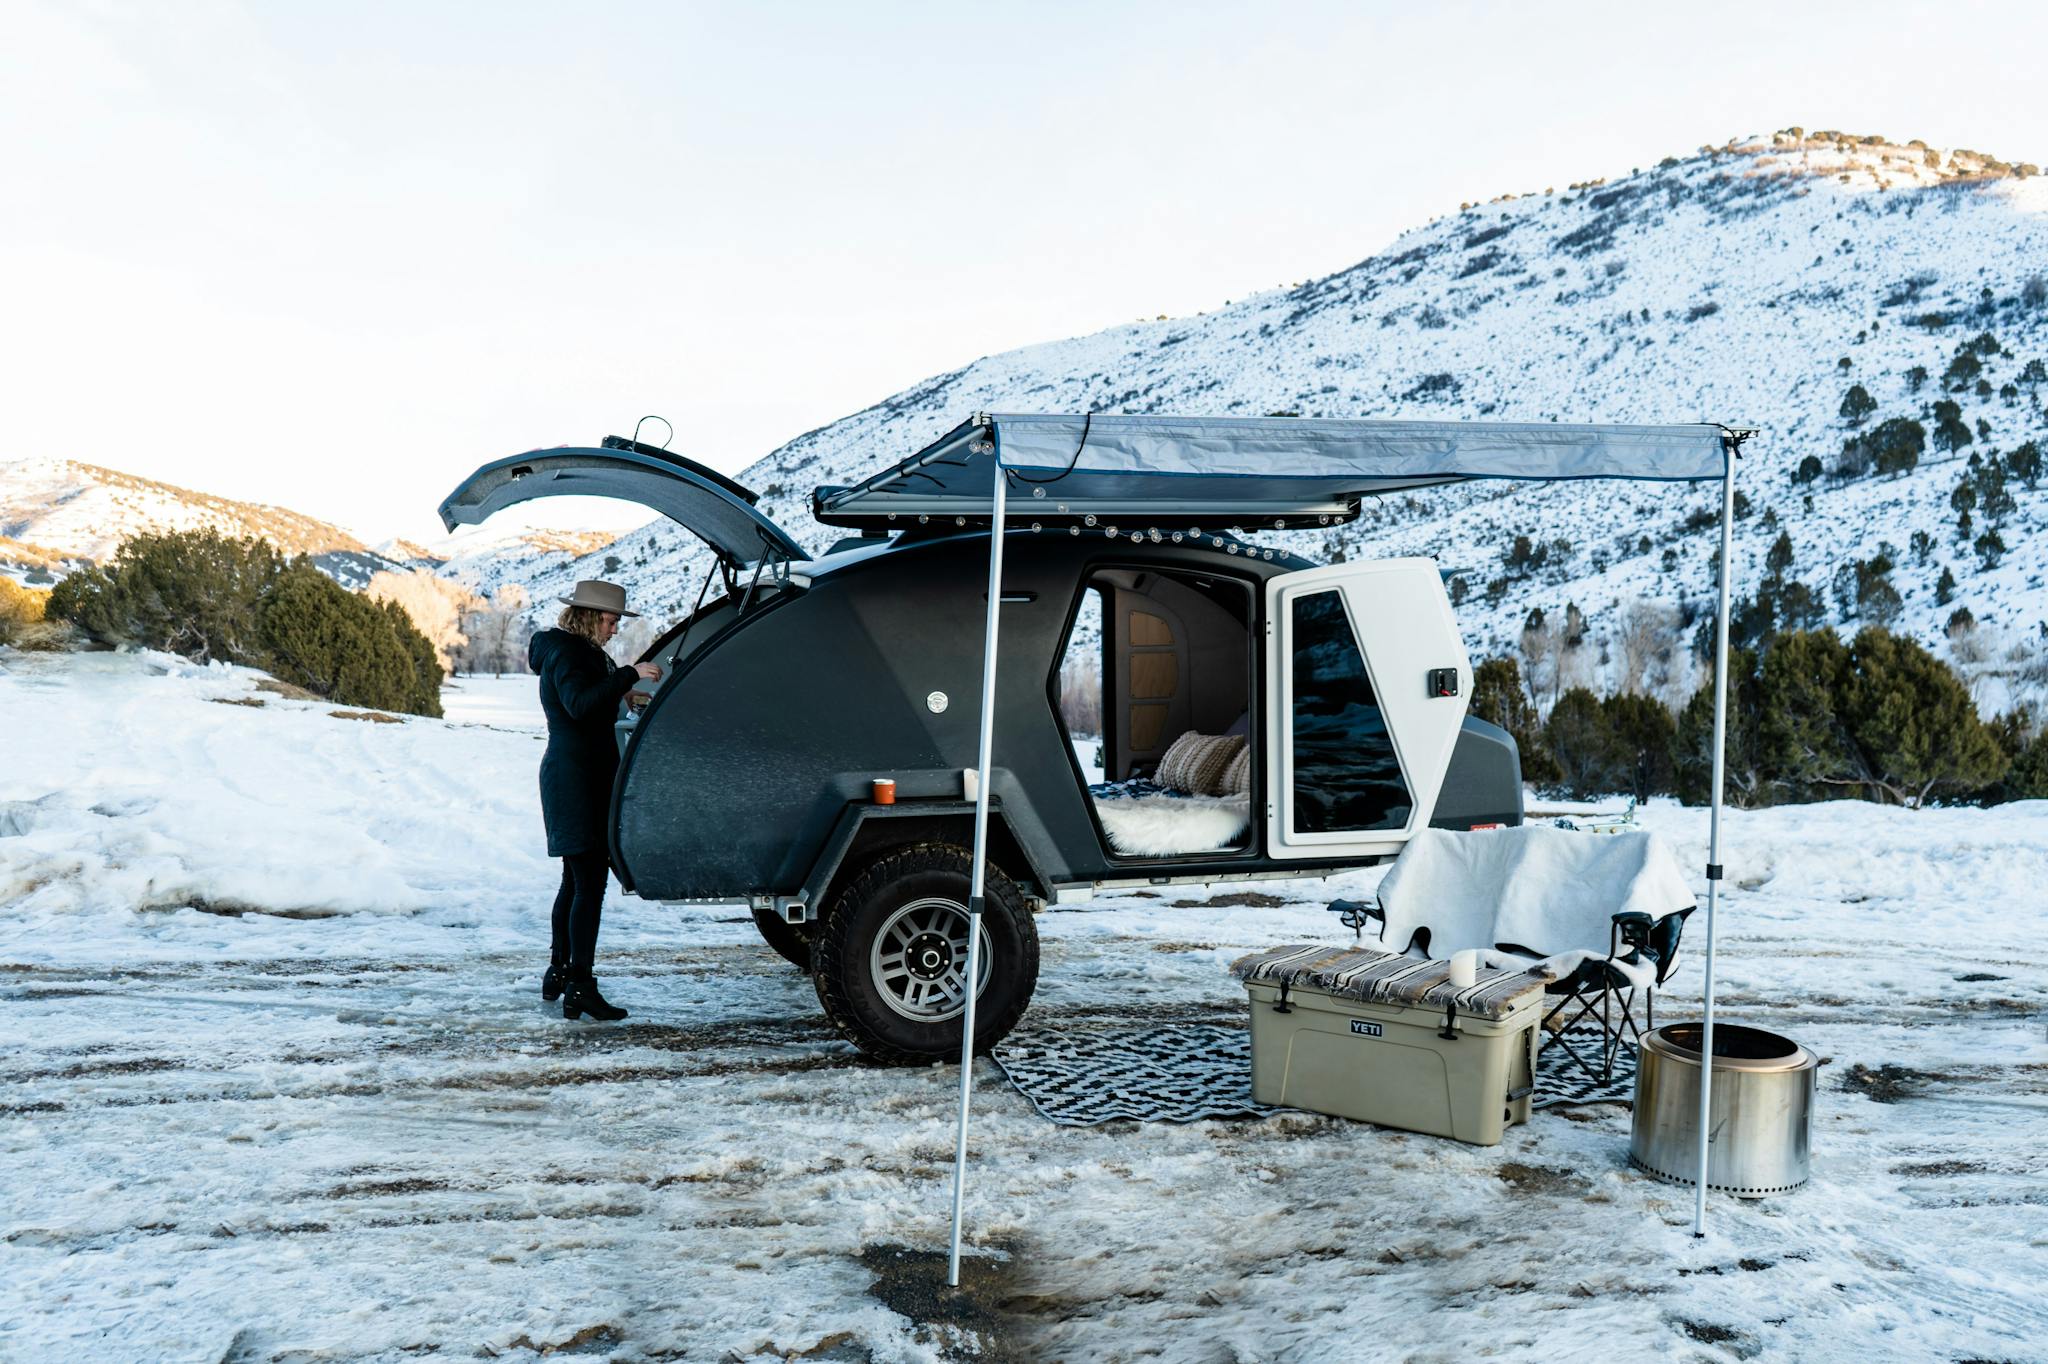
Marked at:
<point>1237,778</point>
<point>1196,763</point>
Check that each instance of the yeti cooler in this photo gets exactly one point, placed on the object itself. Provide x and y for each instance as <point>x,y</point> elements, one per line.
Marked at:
<point>1386,1039</point>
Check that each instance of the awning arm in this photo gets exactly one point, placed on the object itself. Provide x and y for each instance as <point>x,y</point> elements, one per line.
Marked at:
<point>976,887</point>
<point>1732,438</point>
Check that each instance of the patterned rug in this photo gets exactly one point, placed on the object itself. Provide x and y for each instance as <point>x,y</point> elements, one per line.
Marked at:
<point>1190,1072</point>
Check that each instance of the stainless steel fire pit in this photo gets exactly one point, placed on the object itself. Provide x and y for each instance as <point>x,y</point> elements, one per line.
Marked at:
<point>1760,1120</point>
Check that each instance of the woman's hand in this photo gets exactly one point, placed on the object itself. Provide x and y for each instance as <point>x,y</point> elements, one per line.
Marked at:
<point>648,671</point>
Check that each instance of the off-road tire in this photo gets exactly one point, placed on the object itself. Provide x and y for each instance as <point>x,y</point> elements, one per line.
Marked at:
<point>841,947</point>
<point>792,941</point>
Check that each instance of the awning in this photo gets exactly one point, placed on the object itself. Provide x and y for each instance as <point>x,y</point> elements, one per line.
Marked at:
<point>1273,471</point>
<point>1236,471</point>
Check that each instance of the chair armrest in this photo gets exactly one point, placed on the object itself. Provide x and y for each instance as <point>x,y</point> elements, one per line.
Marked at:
<point>1654,938</point>
<point>1356,914</point>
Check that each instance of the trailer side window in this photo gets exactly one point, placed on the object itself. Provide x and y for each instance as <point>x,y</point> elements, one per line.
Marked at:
<point>1346,775</point>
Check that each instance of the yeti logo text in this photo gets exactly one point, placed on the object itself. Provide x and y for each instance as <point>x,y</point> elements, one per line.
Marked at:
<point>1365,1029</point>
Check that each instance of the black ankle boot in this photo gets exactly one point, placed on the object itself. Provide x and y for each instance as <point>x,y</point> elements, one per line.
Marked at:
<point>582,998</point>
<point>551,984</point>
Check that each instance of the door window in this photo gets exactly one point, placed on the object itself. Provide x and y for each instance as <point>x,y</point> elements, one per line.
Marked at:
<point>1346,775</point>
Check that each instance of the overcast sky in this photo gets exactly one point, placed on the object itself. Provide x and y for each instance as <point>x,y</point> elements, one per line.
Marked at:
<point>335,256</point>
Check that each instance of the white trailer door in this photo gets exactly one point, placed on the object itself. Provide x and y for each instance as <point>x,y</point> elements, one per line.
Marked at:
<point>1367,681</point>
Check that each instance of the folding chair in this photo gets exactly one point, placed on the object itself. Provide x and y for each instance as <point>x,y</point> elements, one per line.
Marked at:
<point>1636,940</point>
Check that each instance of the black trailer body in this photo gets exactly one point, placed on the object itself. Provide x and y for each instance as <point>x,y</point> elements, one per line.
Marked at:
<point>748,777</point>
<point>758,752</point>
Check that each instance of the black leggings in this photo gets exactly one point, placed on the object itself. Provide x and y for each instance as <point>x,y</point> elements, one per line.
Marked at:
<point>578,905</point>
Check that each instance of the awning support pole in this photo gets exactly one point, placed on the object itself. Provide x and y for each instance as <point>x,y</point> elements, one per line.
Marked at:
<point>1699,1197</point>
<point>982,787</point>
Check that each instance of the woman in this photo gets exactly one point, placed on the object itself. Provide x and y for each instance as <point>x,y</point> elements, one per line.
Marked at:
<point>580,690</point>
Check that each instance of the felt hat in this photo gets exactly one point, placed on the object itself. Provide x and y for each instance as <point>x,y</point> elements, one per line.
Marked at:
<point>599,595</point>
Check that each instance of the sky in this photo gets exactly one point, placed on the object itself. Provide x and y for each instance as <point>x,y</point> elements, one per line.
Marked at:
<point>336,256</point>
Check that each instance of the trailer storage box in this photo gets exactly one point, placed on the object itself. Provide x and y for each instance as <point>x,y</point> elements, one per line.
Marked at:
<point>1386,1039</point>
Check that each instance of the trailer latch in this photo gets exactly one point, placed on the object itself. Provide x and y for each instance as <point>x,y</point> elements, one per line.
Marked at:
<point>1443,681</point>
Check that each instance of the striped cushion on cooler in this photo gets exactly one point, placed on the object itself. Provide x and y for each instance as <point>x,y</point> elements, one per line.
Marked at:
<point>1373,977</point>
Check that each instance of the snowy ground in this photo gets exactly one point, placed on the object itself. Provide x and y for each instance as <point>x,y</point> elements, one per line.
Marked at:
<point>511,701</point>
<point>277,1087</point>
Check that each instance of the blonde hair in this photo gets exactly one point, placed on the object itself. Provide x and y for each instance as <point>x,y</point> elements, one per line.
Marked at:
<point>586,621</point>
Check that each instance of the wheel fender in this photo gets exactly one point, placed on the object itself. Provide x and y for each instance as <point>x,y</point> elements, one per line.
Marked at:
<point>864,830</point>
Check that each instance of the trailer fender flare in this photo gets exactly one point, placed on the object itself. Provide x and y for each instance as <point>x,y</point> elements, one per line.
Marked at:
<point>917,818</point>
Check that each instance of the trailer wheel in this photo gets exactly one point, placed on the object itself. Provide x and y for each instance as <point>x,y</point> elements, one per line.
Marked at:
<point>792,941</point>
<point>890,959</point>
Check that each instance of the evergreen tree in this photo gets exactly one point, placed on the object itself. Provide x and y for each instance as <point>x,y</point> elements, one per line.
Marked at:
<point>2025,464</point>
<point>1692,745</point>
<point>1951,433</point>
<point>345,647</point>
<point>1498,698</point>
<point>1641,734</point>
<point>1582,745</point>
<point>1880,717</point>
<point>186,592</point>
<point>1857,404</point>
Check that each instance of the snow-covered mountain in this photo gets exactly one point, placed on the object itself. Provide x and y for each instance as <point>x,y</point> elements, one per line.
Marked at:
<point>1756,283</point>
<point>1752,283</point>
<point>85,511</point>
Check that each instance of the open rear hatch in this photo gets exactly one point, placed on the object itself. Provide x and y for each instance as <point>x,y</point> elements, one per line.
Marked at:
<point>711,506</point>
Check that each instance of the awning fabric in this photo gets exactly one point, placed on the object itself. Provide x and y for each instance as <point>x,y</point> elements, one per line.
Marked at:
<point>1248,469</point>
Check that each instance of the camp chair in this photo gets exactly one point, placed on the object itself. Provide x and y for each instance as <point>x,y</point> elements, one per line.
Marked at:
<point>1598,916</point>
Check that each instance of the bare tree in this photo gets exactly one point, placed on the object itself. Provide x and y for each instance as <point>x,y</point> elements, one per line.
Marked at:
<point>498,630</point>
<point>1647,642</point>
<point>436,606</point>
<point>1539,646</point>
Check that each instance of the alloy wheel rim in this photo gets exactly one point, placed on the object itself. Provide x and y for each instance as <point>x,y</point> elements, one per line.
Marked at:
<point>919,960</point>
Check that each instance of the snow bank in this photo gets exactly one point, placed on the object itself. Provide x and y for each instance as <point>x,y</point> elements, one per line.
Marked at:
<point>142,781</point>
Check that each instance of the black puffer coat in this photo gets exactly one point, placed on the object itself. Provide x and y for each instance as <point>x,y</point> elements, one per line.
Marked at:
<point>580,690</point>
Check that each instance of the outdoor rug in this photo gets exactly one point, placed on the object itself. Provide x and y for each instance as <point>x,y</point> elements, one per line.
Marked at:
<point>1194,1071</point>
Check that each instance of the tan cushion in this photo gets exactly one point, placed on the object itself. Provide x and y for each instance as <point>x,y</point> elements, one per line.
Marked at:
<point>1237,778</point>
<point>1196,763</point>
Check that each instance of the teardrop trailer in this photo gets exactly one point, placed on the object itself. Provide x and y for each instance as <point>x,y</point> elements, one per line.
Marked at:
<point>748,778</point>
<point>789,722</point>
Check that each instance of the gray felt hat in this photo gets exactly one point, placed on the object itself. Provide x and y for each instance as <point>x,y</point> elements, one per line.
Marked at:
<point>599,595</point>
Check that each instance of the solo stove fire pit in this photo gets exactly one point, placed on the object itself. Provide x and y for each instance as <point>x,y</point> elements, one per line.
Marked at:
<point>1760,1124</point>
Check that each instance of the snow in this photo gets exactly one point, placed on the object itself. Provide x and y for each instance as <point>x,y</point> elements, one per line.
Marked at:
<point>508,702</point>
<point>277,1086</point>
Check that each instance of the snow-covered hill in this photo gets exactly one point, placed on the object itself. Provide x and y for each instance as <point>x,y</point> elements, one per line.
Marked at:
<point>1749,284</point>
<point>84,511</point>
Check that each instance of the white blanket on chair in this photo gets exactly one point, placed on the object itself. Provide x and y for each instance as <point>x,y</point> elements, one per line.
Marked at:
<point>1551,891</point>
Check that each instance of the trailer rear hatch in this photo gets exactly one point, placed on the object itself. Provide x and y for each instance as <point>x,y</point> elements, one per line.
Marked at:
<point>709,505</point>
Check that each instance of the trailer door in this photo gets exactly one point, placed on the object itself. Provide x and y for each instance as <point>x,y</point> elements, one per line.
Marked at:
<point>1367,681</point>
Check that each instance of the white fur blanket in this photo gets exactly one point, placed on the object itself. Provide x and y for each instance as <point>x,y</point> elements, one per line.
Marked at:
<point>1552,891</point>
<point>1165,826</point>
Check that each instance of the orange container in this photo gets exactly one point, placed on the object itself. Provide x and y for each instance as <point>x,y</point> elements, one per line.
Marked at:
<point>885,791</point>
